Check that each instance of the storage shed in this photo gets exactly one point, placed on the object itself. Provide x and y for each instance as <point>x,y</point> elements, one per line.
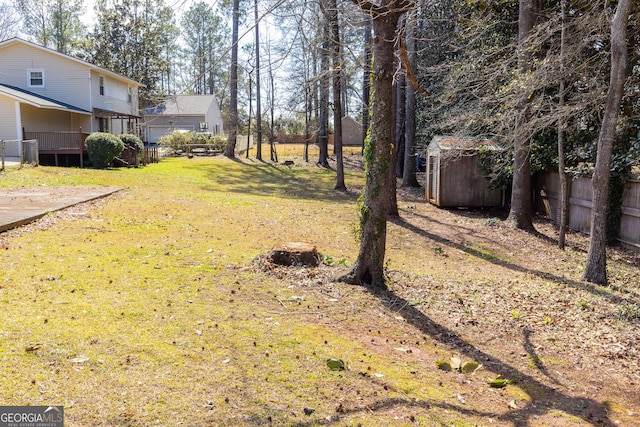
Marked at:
<point>453,175</point>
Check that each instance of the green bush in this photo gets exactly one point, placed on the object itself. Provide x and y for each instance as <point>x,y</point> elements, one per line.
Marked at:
<point>103,148</point>
<point>177,140</point>
<point>134,142</point>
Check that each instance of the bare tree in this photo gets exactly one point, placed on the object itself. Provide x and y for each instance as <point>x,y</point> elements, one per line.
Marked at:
<point>9,20</point>
<point>409,170</point>
<point>520,215</point>
<point>323,125</point>
<point>336,59</point>
<point>596,267</point>
<point>232,129</point>
<point>258,94</point>
<point>563,201</point>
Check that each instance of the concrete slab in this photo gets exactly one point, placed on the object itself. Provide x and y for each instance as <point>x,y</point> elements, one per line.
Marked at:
<point>19,206</point>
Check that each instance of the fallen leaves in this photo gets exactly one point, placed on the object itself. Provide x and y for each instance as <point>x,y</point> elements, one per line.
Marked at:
<point>455,364</point>
<point>336,364</point>
<point>500,382</point>
<point>32,348</point>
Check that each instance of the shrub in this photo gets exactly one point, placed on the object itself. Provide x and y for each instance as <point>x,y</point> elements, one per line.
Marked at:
<point>103,148</point>
<point>177,140</point>
<point>134,142</point>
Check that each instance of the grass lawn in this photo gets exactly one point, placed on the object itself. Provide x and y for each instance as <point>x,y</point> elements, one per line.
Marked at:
<point>153,307</point>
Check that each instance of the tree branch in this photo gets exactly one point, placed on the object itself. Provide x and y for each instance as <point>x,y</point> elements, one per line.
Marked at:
<point>397,6</point>
<point>370,7</point>
<point>404,57</point>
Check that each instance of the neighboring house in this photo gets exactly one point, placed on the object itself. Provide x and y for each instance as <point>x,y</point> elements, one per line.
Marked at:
<point>453,175</point>
<point>351,131</point>
<point>198,113</point>
<point>58,100</point>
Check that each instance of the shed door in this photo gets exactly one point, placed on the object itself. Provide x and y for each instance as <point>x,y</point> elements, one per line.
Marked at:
<point>433,179</point>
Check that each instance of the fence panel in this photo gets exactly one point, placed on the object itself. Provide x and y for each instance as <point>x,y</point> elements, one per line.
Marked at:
<point>580,203</point>
<point>30,151</point>
<point>630,219</point>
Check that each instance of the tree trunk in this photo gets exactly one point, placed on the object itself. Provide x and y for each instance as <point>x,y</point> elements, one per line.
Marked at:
<point>409,170</point>
<point>272,136</point>
<point>233,90</point>
<point>366,78</point>
<point>563,201</point>
<point>249,121</point>
<point>401,114</point>
<point>393,175</point>
<point>323,126</point>
<point>337,93</point>
<point>369,267</point>
<point>258,94</point>
<point>596,267</point>
<point>520,215</point>
<point>307,114</point>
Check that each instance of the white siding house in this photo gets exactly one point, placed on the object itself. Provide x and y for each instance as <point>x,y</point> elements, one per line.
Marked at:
<point>43,92</point>
<point>198,113</point>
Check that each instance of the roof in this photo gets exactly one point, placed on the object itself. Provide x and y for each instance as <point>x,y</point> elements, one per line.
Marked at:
<point>463,143</point>
<point>17,40</point>
<point>39,101</point>
<point>184,105</point>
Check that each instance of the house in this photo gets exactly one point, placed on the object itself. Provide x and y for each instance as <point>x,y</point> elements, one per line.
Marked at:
<point>351,131</point>
<point>453,174</point>
<point>198,113</point>
<point>59,100</point>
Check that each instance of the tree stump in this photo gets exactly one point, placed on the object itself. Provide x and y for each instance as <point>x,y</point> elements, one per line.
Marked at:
<point>294,253</point>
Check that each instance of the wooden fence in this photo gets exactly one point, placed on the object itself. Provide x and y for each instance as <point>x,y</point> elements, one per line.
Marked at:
<point>547,185</point>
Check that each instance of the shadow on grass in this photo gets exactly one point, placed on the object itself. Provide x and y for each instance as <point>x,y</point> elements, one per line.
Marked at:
<point>633,298</point>
<point>543,398</point>
<point>265,179</point>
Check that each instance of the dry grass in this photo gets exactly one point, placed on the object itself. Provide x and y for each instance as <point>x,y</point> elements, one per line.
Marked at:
<point>154,307</point>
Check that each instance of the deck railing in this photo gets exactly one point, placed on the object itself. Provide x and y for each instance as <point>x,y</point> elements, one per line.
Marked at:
<point>58,141</point>
<point>55,143</point>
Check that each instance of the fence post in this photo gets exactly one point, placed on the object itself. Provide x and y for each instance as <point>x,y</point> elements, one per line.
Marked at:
<point>2,144</point>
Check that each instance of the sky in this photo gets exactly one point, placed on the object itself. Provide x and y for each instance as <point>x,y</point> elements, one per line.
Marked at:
<point>267,28</point>
<point>179,6</point>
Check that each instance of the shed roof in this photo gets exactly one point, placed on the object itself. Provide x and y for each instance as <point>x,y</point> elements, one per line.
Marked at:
<point>443,142</point>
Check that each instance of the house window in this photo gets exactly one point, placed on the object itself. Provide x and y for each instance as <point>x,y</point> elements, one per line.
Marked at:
<point>129,93</point>
<point>101,84</point>
<point>36,78</point>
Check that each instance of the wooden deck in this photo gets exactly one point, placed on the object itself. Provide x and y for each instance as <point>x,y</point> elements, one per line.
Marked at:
<point>73,143</point>
<point>57,143</point>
